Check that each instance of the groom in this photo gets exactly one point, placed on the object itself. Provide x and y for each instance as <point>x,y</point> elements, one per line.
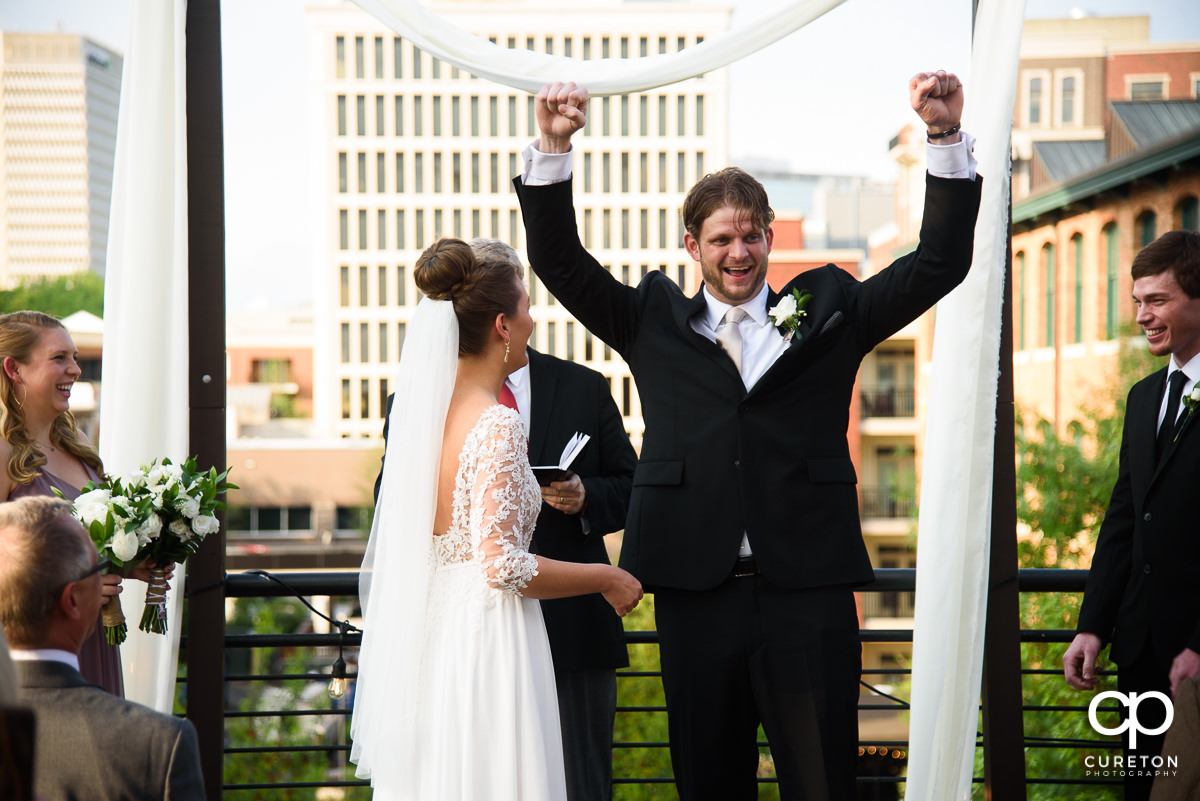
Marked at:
<point>744,516</point>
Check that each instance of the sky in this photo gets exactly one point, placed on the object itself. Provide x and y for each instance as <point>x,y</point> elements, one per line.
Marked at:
<point>826,99</point>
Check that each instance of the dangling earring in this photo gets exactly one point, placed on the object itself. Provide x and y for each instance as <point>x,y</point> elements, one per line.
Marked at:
<point>506,347</point>
<point>20,405</point>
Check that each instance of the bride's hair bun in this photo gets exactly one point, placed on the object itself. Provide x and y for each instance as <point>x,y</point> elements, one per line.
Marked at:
<point>447,270</point>
<point>480,288</point>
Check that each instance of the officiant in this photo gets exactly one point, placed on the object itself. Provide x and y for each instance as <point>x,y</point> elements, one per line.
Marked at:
<point>557,399</point>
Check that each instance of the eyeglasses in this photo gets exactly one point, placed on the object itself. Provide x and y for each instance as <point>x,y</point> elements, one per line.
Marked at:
<point>101,564</point>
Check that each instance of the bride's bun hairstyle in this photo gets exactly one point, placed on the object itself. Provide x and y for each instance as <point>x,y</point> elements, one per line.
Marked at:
<point>479,288</point>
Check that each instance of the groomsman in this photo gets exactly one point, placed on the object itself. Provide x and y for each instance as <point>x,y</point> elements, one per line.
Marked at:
<point>556,399</point>
<point>1141,591</point>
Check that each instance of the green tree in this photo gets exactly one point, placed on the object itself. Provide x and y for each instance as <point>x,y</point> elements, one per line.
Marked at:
<point>61,296</point>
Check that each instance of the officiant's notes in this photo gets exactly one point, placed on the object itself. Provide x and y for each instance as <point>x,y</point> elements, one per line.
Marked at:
<point>548,473</point>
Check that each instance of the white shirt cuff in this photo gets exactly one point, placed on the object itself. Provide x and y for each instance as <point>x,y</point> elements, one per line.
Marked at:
<point>952,161</point>
<point>542,169</point>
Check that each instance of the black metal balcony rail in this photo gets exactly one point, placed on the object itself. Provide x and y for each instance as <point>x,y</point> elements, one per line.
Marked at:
<point>887,503</point>
<point>275,746</point>
<point>888,401</point>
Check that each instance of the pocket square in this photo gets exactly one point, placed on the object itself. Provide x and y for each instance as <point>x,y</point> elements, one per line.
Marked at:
<point>833,322</point>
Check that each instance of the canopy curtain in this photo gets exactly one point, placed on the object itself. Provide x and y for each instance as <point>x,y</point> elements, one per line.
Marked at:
<point>144,410</point>
<point>529,71</point>
<point>954,529</point>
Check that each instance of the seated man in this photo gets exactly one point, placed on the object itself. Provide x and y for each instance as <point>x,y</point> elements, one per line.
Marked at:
<point>88,743</point>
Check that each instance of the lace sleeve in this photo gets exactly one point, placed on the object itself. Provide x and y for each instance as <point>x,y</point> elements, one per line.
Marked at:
<point>501,518</point>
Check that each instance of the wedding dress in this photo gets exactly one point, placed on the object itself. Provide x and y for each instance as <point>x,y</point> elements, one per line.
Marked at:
<point>455,695</point>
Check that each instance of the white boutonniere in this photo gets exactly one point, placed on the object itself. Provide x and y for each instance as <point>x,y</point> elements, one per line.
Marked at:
<point>788,311</point>
<point>1191,401</point>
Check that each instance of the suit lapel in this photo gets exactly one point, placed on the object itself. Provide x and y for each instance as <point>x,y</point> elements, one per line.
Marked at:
<point>822,318</point>
<point>1181,431</point>
<point>684,309</point>
<point>542,382</point>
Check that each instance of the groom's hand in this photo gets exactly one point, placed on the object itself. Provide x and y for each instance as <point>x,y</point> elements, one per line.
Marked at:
<point>938,98</point>
<point>561,111</point>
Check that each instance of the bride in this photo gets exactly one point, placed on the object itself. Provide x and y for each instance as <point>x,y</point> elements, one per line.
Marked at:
<point>455,695</point>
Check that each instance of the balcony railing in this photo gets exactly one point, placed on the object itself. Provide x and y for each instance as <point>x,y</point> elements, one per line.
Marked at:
<point>888,401</point>
<point>887,502</point>
<point>294,738</point>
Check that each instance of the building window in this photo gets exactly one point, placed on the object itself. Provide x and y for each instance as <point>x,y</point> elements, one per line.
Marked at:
<point>437,173</point>
<point>644,115</point>
<point>1068,100</point>
<point>364,343</point>
<point>419,225</point>
<point>401,329</point>
<point>363,288</point>
<point>381,231</point>
<point>681,172</point>
<point>361,116</point>
<point>416,62</point>
<point>418,116</point>
<point>380,173</point>
<point>1024,290</point>
<point>474,115</point>
<point>400,238</point>
<point>437,115</point>
<point>362,229</point>
<point>399,115</point>
<point>626,396</point>
<point>494,116</point>
<point>1188,215</point>
<point>341,112</point>
<point>625,173</point>
<point>456,116</point>
<point>1077,248</point>
<point>1035,101</point>
<point>1147,228</point>
<point>662,229</point>
<point>382,279</point>
<point>359,69</point>
<point>699,115</point>
<point>681,115</point>
<point>362,172</point>
<point>419,173</point>
<point>605,110</point>
<point>340,71</point>
<point>364,399</point>
<point>399,173</point>
<point>1050,272</point>
<point>397,61</point>
<point>587,171</point>
<point>456,173</point>
<point>379,116</point>
<point>401,286</point>
<point>1146,90</point>
<point>343,169</point>
<point>1112,255</point>
<point>494,164</point>
<point>384,392</point>
<point>345,343</point>
<point>344,286</point>
<point>552,338</point>
<point>343,229</point>
<point>345,398</point>
<point>606,173</point>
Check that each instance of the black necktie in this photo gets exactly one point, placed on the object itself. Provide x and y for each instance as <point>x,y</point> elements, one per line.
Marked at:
<point>1174,392</point>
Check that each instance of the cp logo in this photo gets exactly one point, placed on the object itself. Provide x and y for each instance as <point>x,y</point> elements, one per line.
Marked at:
<point>1131,722</point>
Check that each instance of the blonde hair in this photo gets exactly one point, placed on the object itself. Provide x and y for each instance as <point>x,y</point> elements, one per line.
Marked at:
<point>20,333</point>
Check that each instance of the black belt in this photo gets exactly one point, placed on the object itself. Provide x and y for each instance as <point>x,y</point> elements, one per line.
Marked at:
<point>746,566</point>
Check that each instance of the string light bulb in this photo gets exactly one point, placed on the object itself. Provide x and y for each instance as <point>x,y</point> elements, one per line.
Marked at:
<point>337,685</point>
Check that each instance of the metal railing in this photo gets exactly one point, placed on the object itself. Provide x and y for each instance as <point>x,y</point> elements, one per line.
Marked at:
<point>888,401</point>
<point>287,735</point>
<point>887,503</point>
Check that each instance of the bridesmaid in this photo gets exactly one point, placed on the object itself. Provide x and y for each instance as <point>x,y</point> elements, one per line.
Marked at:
<point>42,450</point>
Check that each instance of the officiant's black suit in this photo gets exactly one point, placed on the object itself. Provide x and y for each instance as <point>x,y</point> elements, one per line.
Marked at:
<point>1142,591</point>
<point>773,462</point>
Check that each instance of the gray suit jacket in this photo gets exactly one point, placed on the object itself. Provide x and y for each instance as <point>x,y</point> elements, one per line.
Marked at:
<point>92,746</point>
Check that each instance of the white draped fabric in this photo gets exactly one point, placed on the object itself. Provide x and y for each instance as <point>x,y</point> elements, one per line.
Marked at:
<point>528,71</point>
<point>956,477</point>
<point>144,413</point>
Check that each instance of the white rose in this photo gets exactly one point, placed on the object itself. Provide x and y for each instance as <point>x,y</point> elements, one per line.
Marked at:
<point>187,506</point>
<point>155,476</point>
<point>204,525</point>
<point>782,310</point>
<point>124,545</point>
<point>1195,394</point>
<point>181,529</point>
<point>92,506</point>
<point>133,478</point>
<point>173,472</point>
<point>151,528</point>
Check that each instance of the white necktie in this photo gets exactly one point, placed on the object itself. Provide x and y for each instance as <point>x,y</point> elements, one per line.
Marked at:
<point>730,337</point>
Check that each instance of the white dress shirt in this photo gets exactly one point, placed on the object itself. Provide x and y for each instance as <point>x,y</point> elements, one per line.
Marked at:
<point>518,384</point>
<point>762,343</point>
<point>45,655</point>
<point>1192,371</point>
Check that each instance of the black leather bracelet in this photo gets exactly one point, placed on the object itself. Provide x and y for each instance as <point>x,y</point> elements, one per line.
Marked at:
<point>948,132</point>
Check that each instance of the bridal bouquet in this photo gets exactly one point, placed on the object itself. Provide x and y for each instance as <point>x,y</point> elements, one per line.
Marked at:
<point>161,511</point>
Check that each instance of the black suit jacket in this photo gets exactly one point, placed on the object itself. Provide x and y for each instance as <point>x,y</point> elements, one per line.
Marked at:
<point>773,462</point>
<point>584,631</point>
<point>90,744</point>
<point>1143,591</point>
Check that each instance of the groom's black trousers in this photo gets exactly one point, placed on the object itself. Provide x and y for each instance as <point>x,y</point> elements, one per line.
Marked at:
<point>750,652</point>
